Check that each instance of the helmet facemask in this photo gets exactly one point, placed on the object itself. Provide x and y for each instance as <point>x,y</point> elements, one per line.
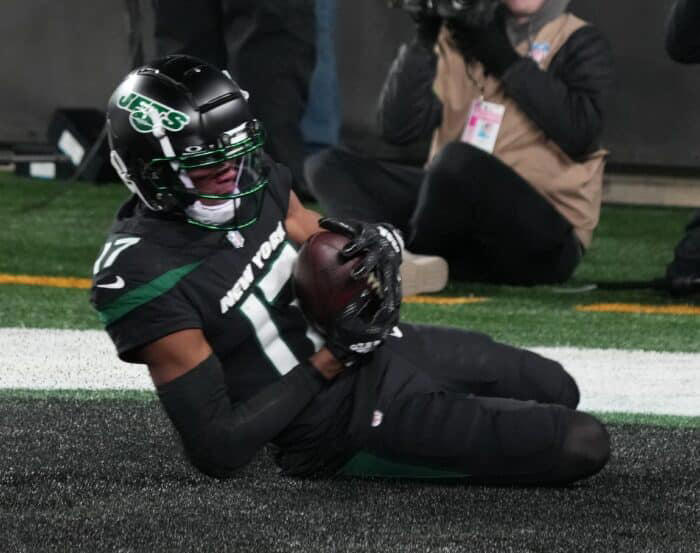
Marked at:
<point>239,150</point>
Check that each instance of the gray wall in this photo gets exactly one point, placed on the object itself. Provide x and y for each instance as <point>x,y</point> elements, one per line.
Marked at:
<point>654,117</point>
<point>67,53</point>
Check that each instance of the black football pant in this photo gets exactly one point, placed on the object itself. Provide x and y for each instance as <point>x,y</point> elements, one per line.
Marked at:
<point>453,403</point>
<point>468,207</point>
<point>269,47</point>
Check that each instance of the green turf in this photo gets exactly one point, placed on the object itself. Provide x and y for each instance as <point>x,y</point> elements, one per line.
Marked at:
<point>649,419</point>
<point>539,318</point>
<point>56,229</point>
<point>46,307</point>
<point>633,243</point>
<point>53,227</point>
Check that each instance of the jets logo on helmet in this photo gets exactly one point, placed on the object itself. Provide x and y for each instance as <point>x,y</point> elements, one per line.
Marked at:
<point>140,107</point>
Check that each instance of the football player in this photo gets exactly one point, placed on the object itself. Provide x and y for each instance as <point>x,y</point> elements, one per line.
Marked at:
<point>194,282</point>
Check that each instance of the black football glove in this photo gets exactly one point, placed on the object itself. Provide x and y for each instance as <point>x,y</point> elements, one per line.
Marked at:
<point>360,328</point>
<point>489,44</point>
<point>365,323</point>
<point>382,246</point>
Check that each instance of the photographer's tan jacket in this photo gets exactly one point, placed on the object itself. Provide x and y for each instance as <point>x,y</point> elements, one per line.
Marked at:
<point>574,188</point>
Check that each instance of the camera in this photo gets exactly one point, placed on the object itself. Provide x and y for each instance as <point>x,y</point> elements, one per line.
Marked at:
<point>473,13</point>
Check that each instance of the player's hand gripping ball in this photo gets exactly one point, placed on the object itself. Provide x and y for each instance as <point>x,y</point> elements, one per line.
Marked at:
<point>348,285</point>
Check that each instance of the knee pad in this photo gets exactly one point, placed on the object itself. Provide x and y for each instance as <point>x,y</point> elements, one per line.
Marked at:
<point>585,451</point>
<point>529,437</point>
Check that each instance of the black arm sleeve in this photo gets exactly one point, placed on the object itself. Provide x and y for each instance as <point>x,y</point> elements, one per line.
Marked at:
<point>220,437</point>
<point>408,109</point>
<point>683,32</point>
<point>566,101</point>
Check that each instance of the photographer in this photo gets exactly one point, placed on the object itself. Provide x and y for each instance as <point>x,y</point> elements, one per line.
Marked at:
<point>512,186</point>
<point>683,46</point>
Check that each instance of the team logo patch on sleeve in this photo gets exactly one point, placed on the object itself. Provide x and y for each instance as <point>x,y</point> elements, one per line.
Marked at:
<point>143,109</point>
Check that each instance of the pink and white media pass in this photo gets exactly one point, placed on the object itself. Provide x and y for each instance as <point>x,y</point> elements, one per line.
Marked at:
<point>483,124</point>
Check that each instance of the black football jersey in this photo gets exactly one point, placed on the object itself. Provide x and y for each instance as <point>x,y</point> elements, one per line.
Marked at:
<point>157,275</point>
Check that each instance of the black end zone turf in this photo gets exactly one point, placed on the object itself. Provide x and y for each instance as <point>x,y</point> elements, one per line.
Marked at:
<point>109,476</point>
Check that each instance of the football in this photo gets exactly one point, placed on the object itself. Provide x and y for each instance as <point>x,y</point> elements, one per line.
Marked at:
<point>321,278</point>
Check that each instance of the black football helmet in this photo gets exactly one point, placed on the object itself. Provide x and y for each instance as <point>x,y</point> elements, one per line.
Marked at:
<point>177,114</point>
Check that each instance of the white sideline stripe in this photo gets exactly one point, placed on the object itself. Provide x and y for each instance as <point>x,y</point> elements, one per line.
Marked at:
<point>48,359</point>
<point>632,381</point>
<point>609,379</point>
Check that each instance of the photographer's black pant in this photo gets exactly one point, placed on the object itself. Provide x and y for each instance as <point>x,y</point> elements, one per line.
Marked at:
<point>468,207</point>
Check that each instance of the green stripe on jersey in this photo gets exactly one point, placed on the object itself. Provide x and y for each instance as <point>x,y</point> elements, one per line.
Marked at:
<point>144,293</point>
<point>366,465</point>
